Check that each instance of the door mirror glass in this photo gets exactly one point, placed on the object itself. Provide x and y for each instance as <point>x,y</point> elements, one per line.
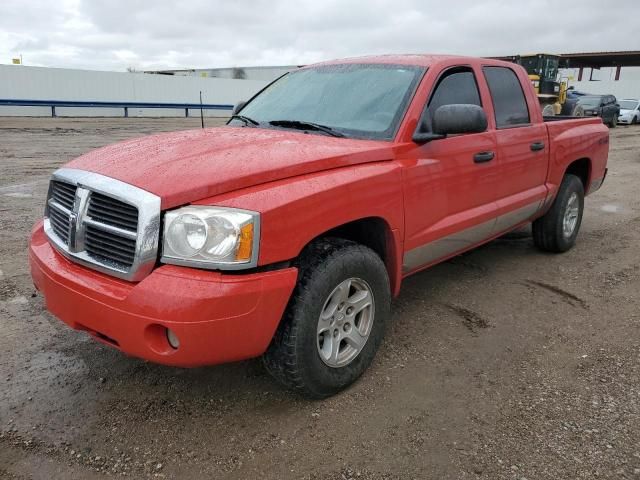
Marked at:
<point>239,106</point>
<point>459,118</point>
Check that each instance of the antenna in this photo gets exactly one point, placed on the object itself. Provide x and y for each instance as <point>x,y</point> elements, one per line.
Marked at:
<point>201,112</point>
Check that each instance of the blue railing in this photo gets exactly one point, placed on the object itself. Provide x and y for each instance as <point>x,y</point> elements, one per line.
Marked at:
<point>124,105</point>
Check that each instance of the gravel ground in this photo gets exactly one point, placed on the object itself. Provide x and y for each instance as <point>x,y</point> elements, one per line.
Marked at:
<point>503,363</point>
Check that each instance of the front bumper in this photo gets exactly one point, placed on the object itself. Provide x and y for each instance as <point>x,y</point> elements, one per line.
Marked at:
<point>625,120</point>
<point>217,317</point>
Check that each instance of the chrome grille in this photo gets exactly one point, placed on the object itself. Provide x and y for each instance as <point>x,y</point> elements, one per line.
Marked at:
<point>103,223</point>
<point>112,212</point>
<point>109,247</point>
<point>62,194</point>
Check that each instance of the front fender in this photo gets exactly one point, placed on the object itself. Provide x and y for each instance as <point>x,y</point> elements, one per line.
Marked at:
<point>296,210</point>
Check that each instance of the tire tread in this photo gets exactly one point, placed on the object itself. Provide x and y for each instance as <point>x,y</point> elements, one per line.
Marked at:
<point>281,358</point>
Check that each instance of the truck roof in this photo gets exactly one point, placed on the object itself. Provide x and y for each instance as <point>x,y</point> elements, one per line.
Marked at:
<point>420,60</point>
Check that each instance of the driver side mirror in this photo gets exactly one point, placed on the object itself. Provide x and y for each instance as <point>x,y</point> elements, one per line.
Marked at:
<point>238,106</point>
<point>454,119</point>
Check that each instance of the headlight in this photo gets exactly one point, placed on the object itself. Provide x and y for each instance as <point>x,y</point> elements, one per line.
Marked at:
<point>211,237</point>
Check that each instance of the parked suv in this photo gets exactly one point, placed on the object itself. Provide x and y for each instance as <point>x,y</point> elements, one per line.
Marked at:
<point>603,106</point>
<point>629,111</point>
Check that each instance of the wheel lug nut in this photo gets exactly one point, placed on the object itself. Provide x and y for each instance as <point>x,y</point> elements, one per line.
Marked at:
<point>349,310</point>
<point>347,327</point>
<point>335,332</point>
<point>341,306</point>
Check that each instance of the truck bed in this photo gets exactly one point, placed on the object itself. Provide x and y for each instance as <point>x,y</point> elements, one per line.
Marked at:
<point>573,138</point>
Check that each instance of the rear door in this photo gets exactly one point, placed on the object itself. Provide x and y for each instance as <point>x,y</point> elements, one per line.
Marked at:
<point>450,184</point>
<point>522,150</point>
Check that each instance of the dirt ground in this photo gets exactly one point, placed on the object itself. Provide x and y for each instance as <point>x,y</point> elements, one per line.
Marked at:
<point>503,363</point>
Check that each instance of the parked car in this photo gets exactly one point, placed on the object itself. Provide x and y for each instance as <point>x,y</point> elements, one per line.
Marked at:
<point>629,111</point>
<point>287,232</point>
<point>573,93</point>
<point>603,106</point>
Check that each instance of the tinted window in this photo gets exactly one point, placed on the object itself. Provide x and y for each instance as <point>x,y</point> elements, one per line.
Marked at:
<point>508,98</point>
<point>457,86</point>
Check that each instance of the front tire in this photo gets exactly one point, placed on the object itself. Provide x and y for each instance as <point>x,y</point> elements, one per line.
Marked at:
<point>614,122</point>
<point>556,231</point>
<point>335,320</point>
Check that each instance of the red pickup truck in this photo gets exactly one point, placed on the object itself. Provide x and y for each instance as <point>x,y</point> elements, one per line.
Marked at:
<point>286,232</point>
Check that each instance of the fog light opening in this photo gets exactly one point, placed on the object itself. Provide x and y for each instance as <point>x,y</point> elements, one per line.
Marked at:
<point>173,340</point>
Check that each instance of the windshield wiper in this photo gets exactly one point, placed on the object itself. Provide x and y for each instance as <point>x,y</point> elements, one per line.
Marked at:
<point>247,121</point>
<point>300,125</point>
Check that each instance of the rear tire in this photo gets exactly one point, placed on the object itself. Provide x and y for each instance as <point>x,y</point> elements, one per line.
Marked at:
<point>321,347</point>
<point>578,111</point>
<point>556,231</point>
<point>614,122</point>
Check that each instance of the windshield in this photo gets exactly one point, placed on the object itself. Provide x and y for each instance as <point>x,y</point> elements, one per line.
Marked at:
<point>628,104</point>
<point>550,68</point>
<point>590,102</point>
<point>542,65</point>
<point>355,100</point>
<point>531,65</point>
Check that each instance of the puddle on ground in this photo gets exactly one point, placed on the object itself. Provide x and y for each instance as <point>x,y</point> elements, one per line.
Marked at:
<point>611,208</point>
<point>20,300</point>
<point>18,195</point>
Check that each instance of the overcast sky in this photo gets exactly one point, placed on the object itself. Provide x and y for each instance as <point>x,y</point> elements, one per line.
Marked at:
<point>116,34</point>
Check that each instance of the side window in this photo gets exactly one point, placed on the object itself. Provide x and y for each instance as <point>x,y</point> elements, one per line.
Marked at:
<point>457,85</point>
<point>509,103</point>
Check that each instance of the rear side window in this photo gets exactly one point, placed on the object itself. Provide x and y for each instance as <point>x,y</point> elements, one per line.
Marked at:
<point>456,86</point>
<point>509,103</point>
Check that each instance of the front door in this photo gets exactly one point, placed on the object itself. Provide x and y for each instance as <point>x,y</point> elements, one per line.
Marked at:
<point>450,184</point>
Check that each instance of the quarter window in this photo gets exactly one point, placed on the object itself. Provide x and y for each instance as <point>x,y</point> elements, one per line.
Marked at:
<point>509,103</point>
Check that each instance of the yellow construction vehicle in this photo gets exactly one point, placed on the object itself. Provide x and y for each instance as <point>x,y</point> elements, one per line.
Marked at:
<point>543,70</point>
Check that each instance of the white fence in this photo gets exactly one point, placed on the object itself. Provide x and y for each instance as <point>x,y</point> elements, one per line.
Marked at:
<point>40,83</point>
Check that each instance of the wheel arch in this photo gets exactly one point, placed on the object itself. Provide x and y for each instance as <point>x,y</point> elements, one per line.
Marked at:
<point>375,233</point>
<point>582,169</point>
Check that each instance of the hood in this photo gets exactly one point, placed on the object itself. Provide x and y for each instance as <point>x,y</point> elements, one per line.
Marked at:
<point>182,167</point>
<point>624,111</point>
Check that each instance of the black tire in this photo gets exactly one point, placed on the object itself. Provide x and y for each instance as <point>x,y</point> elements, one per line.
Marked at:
<point>614,122</point>
<point>634,120</point>
<point>293,357</point>
<point>577,111</point>
<point>548,231</point>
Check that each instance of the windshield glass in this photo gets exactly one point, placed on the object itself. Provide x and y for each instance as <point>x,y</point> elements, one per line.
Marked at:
<point>531,65</point>
<point>356,100</point>
<point>589,101</point>
<point>628,104</point>
<point>550,68</point>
